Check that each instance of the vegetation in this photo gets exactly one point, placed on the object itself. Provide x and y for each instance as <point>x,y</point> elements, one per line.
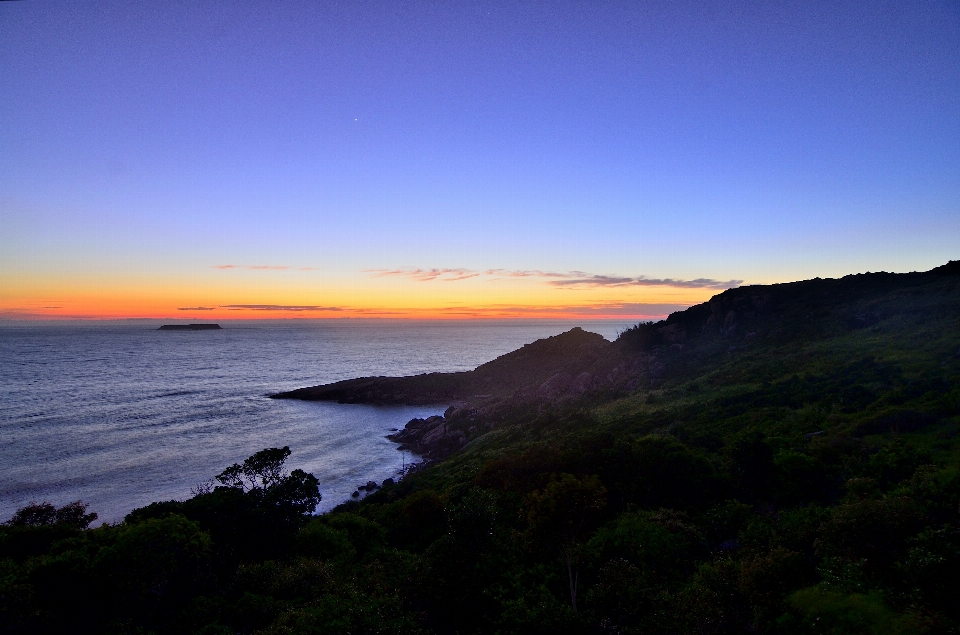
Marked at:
<point>792,469</point>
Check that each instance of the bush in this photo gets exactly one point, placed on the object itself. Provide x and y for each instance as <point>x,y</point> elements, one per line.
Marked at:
<point>835,613</point>
<point>319,540</point>
<point>154,564</point>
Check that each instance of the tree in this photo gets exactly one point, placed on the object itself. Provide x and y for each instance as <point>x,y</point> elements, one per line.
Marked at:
<point>260,471</point>
<point>561,513</point>
<point>39,514</point>
<point>262,476</point>
<point>255,512</point>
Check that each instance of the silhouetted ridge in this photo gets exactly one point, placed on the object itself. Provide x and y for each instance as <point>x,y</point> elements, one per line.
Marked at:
<point>952,268</point>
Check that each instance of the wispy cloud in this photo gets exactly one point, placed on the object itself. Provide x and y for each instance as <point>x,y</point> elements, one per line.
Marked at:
<point>531,273</point>
<point>641,310</point>
<point>195,308</point>
<point>278,307</point>
<point>568,279</point>
<point>643,281</point>
<point>40,313</point>
<point>426,275</point>
<point>265,267</point>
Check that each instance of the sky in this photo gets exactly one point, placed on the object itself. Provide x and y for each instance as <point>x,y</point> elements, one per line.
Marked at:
<point>209,160</point>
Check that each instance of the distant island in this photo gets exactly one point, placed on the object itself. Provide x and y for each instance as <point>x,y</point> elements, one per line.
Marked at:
<point>188,327</point>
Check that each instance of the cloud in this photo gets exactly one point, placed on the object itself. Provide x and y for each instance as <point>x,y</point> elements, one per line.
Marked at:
<point>568,279</point>
<point>426,275</point>
<point>634,310</point>
<point>530,273</point>
<point>265,267</point>
<point>593,281</point>
<point>195,308</point>
<point>278,307</point>
<point>39,313</point>
<point>643,281</point>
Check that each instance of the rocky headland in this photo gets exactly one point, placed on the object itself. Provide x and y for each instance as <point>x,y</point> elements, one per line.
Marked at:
<point>560,368</point>
<point>581,366</point>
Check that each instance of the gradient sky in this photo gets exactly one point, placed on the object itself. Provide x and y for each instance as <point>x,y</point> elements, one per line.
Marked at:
<point>466,158</point>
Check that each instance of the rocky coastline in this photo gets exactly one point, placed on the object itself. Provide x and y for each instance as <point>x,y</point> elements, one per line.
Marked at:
<point>432,438</point>
<point>572,365</point>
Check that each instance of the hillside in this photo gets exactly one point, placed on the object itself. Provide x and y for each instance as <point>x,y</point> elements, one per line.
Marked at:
<point>783,459</point>
<point>749,333</point>
<point>747,318</point>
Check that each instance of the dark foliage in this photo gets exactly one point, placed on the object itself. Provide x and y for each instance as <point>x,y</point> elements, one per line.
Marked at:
<point>40,514</point>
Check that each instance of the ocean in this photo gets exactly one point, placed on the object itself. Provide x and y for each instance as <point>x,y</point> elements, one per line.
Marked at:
<point>119,414</point>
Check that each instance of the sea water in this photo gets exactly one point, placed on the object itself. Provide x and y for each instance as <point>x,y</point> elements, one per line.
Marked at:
<point>119,414</point>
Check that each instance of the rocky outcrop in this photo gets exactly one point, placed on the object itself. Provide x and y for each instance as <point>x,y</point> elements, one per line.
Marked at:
<point>432,437</point>
<point>568,366</point>
<point>564,366</point>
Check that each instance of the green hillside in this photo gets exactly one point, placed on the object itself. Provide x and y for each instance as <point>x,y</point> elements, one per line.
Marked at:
<point>780,459</point>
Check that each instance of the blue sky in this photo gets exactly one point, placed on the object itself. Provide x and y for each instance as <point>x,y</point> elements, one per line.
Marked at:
<point>146,144</point>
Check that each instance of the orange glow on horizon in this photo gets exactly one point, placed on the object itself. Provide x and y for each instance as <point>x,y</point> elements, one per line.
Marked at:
<point>215,295</point>
<point>448,313</point>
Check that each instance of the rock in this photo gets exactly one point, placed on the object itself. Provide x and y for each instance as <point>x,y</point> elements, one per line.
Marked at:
<point>582,383</point>
<point>387,482</point>
<point>555,385</point>
<point>729,328</point>
<point>673,333</point>
<point>730,320</point>
<point>434,434</point>
<point>431,437</point>
<point>356,494</point>
<point>372,485</point>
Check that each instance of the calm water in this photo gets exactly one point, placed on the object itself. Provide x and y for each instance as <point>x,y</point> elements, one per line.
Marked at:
<point>121,415</point>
